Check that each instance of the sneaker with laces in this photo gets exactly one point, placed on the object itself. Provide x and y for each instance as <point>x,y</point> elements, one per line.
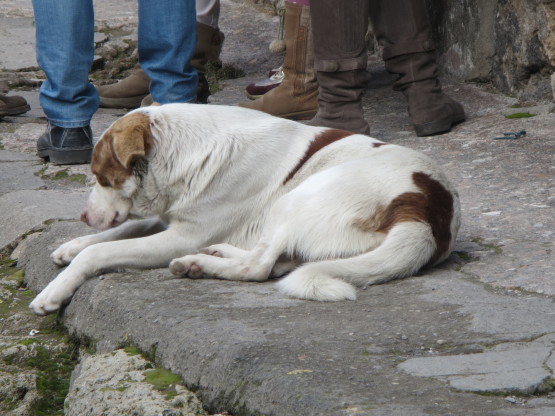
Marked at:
<point>66,146</point>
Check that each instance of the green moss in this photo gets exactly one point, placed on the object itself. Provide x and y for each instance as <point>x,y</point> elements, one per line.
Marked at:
<point>78,178</point>
<point>464,256</point>
<point>492,247</point>
<point>132,350</point>
<point>28,341</point>
<point>162,379</point>
<point>54,369</point>
<point>217,73</point>
<point>520,115</point>
<point>60,175</point>
<point>18,277</point>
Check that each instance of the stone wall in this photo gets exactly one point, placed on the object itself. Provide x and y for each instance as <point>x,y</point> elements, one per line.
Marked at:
<point>510,43</point>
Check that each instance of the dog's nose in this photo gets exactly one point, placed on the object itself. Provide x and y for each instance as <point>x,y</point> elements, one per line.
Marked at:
<point>84,217</point>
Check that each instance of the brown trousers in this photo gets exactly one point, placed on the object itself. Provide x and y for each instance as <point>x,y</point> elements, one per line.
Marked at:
<point>402,27</point>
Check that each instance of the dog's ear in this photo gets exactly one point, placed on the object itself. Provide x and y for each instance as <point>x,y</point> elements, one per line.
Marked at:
<point>127,140</point>
<point>132,139</point>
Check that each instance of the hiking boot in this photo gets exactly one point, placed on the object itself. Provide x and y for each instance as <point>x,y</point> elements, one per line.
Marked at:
<point>408,51</point>
<point>430,109</point>
<point>296,97</point>
<point>258,89</point>
<point>340,101</point>
<point>126,93</point>
<point>66,146</point>
<point>13,105</point>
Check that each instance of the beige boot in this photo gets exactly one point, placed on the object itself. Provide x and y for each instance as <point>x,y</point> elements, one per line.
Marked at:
<point>133,91</point>
<point>296,96</point>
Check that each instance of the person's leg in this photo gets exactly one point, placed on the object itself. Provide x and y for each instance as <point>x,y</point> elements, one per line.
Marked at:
<point>403,28</point>
<point>167,41</point>
<point>130,91</point>
<point>340,62</point>
<point>208,12</point>
<point>210,40</point>
<point>296,96</point>
<point>65,49</point>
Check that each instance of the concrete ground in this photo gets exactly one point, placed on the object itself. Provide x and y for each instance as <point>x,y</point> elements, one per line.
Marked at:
<point>475,336</point>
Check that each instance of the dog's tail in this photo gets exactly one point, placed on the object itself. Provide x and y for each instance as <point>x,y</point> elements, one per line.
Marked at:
<point>407,248</point>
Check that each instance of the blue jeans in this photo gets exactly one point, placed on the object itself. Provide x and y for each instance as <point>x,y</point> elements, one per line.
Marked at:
<point>65,49</point>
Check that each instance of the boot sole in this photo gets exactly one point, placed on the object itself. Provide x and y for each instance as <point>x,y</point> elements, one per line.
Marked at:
<point>66,157</point>
<point>438,126</point>
<point>299,115</point>
<point>127,102</point>
<point>15,110</point>
<point>253,96</point>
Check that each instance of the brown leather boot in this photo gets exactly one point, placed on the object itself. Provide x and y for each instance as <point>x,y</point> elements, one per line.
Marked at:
<point>126,93</point>
<point>296,97</point>
<point>430,109</point>
<point>403,28</point>
<point>131,91</point>
<point>340,101</point>
<point>340,62</point>
<point>13,105</point>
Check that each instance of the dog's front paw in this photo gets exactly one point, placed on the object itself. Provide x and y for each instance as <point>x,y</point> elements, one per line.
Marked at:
<point>186,267</point>
<point>49,300</point>
<point>64,254</point>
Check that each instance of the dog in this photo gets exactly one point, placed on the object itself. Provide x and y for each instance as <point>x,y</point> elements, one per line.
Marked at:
<point>237,194</point>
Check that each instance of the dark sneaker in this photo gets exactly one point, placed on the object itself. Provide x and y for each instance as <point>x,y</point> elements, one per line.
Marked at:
<point>66,146</point>
<point>13,105</point>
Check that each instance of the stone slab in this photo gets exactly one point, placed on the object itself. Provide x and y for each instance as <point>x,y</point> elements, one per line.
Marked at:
<point>12,177</point>
<point>519,370</point>
<point>25,210</point>
<point>20,52</point>
<point>246,346</point>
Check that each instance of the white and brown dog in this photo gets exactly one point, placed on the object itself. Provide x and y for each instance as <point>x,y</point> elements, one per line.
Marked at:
<point>244,196</point>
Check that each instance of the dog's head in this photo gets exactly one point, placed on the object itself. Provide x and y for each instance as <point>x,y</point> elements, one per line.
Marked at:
<point>118,163</point>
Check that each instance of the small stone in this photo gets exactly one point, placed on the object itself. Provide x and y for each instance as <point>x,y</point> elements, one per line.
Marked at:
<point>440,341</point>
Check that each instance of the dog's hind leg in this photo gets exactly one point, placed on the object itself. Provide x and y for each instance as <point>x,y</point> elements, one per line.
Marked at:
<point>224,250</point>
<point>227,262</point>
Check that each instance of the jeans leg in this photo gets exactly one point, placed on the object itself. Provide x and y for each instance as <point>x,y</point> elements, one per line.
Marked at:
<point>65,49</point>
<point>167,41</point>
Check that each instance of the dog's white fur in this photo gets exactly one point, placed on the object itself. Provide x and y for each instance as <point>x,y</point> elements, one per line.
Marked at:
<point>232,179</point>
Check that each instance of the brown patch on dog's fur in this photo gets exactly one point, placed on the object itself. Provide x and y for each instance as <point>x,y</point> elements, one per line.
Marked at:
<point>322,140</point>
<point>432,205</point>
<point>379,144</point>
<point>113,157</point>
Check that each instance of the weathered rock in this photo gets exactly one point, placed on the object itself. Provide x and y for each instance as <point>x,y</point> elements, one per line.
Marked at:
<point>115,384</point>
<point>508,42</point>
<point>521,369</point>
<point>17,391</point>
